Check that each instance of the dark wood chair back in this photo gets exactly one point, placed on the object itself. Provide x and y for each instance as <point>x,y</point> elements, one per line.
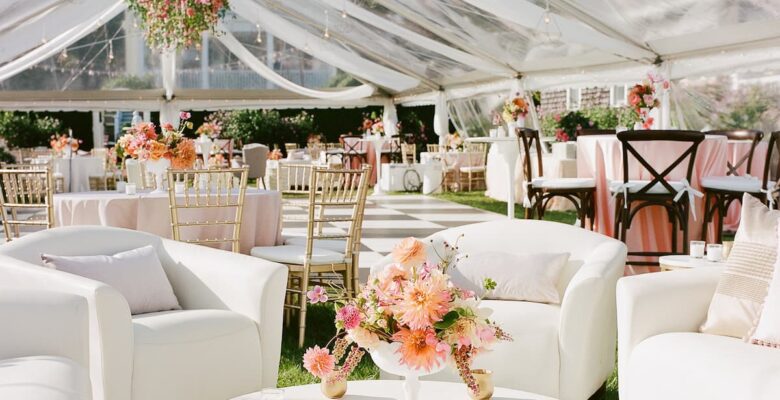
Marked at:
<point>593,132</point>
<point>352,145</point>
<point>528,139</point>
<point>627,140</point>
<point>744,135</point>
<point>772,164</point>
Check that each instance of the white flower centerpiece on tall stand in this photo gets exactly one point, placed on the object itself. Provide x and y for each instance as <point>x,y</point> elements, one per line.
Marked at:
<point>159,152</point>
<point>411,319</point>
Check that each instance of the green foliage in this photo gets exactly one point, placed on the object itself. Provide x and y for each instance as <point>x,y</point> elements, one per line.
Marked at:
<point>588,118</point>
<point>573,121</point>
<point>267,127</point>
<point>6,157</point>
<point>132,82</point>
<point>746,110</point>
<point>27,130</point>
<point>342,79</point>
<point>603,117</point>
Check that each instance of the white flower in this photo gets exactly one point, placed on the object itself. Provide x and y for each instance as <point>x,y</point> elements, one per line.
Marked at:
<point>363,337</point>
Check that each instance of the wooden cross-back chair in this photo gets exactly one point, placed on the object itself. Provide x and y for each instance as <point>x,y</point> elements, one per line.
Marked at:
<point>594,132</point>
<point>634,195</point>
<point>722,190</point>
<point>353,150</point>
<point>26,189</point>
<point>324,253</point>
<point>216,193</point>
<point>540,190</point>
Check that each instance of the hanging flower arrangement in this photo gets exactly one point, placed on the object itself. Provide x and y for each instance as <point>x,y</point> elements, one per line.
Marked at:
<point>177,24</point>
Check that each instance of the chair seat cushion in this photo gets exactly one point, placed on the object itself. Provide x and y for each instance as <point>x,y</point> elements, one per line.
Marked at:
<point>327,244</point>
<point>564,183</point>
<point>637,185</point>
<point>43,378</point>
<point>700,366</point>
<point>534,329</point>
<point>734,183</point>
<point>295,254</point>
<point>478,168</point>
<point>174,347</point>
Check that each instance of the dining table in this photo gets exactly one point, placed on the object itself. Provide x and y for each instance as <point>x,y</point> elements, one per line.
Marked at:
<point>74,170</point>
<point>149,212</point>
<point>600,157</point>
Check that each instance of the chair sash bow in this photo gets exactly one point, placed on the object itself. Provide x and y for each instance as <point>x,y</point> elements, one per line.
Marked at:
<point>692,194</point>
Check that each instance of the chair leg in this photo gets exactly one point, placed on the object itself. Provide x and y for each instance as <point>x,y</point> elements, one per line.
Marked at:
<point>302,303</point>
<point>356,272</point>
<point>675,213</point>
<point>624,220</point>
<point>583,208</point>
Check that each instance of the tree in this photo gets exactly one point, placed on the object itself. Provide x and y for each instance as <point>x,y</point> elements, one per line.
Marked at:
<point>27,130</point>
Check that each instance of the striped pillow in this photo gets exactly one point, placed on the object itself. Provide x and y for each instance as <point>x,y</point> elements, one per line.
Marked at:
<point>744,283</point>
<point>767,331</point>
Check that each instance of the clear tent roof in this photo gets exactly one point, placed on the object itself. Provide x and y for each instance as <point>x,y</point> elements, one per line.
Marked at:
<point>401,47</point>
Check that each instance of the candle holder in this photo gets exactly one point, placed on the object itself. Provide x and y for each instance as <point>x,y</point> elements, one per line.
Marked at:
<point>484,380</point>
<point>333,389</point>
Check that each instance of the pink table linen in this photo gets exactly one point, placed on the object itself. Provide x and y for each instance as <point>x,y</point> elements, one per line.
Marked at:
<point>147,212</point>
<point>370,155</point>
<point>600,157</point>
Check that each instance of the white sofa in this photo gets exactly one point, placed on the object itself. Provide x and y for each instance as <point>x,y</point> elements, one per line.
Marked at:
<point>662,355</point>
<point>44,349</point>
<point>564,351</point>
<point>225,342</point>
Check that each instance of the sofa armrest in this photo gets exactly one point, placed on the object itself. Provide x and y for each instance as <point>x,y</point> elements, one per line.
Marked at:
<point>203,277</point>
<point>652,304</point>
<point>587,329</point>
<point>110,325</point>
<point>37,322</point>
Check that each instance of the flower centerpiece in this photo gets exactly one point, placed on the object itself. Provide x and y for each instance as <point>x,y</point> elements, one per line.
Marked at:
<point>514,112</point>
<point>178,24</point>
<point>454,141</point>
<point>275,154</point>
<point>411,319</point>
<point>159,151</point>
<point>64,144</point>
<point>643,97</point>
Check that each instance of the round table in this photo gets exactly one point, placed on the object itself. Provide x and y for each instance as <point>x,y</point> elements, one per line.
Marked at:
<point>509,151</point>
<point>669,263</point>
<point>377,141</point>
<point>149,212</point>
<point>76,170</point>
<point>388,389</point>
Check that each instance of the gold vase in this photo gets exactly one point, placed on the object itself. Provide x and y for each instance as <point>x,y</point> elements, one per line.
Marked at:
<point>484,380</point>
<point>333,390</point>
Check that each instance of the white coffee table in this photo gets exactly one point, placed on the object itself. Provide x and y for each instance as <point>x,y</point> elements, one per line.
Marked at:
<point>389,389</point>
<point>669,263</point>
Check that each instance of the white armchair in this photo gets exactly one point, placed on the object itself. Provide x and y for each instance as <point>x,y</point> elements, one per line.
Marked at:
<point>225,342</point>
<point>44,349</point>
<point>564,351</point>
<point>662,355</point>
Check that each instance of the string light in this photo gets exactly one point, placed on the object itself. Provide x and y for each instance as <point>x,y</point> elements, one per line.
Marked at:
<point>326,34</point>
<point>64,54</point>
<point>259,34</point>
<point>547,26</point>
<point>344,9</point>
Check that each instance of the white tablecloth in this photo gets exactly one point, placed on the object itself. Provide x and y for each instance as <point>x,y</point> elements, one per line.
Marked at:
<point>147,212</point>
<point>496,177</point>
<point>76,171</point>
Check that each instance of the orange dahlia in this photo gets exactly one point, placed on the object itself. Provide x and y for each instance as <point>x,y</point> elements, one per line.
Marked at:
<point>424,302</point>
<point>419,348</point>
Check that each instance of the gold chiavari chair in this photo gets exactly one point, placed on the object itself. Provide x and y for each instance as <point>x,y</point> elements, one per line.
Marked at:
<point>288,147</point>
<point>476,169</point>
<point>408,153</point>
<point>58,178</point>
<point>218,192</point>
<point>107,180</point>
<point>27,189</point>
<point>293,179</point>
<point>433,148</point>
<point>330,190</point>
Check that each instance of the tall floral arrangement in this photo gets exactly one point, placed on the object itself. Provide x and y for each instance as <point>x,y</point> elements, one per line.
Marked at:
<point>413,303</point>
<point>514,108</point>
<point>178,24</point>
<point>142,142</point>
<point>59,143</point>
<point>454,142</point>
<point>643,97</point>
<point>211,127</point>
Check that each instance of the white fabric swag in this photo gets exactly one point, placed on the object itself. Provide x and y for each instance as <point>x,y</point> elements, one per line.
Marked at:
<point>249,59</point>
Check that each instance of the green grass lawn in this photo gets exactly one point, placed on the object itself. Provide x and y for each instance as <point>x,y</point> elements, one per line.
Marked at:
<point>319,321</point>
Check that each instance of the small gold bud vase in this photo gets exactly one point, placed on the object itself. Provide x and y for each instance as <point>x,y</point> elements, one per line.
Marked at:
<point>484,380</point>
<point>333,389</point>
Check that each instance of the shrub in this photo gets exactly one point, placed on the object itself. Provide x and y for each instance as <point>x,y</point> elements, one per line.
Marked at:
<point>27,130</point>
<point>267,127</point>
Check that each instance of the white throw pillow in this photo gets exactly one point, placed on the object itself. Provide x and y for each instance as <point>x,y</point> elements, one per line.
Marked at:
<point>743,285</point>
<point>522,277</point>
<point>767,331</point>
<point>136,274</point>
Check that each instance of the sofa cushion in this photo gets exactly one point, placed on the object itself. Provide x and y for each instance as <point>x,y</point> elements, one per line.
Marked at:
<point>137,274</point>
<point>699,366</point>
<point>524,277</point>
<point>172,347</point>
<point>743,285</point>
<point>531,362</point>
<point>767,330</point>
<point>43,378</point>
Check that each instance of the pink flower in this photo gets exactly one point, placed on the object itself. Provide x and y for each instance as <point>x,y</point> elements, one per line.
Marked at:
<point>167,126</point>
<point>424,302</point>
<point>204,1</point>
<point>184,115</point>
<point>348,316</point>
<point>486,334</point>
<point>648,99</point>
<point>442,349</point>
<point>319,362</point>
<point>419,348</point>
<point>666,85</point>
<point>317,295</point>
